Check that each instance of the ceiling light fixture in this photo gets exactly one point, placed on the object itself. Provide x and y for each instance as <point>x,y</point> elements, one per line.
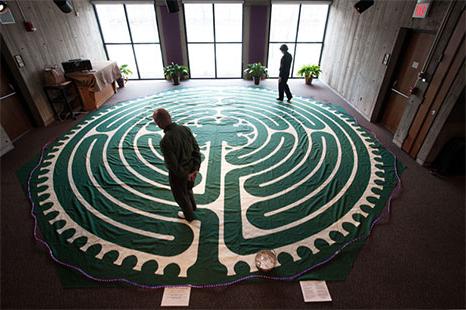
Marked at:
<point>3,6</point>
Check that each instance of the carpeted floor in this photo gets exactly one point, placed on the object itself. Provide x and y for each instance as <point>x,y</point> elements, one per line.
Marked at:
<point>415,259</point>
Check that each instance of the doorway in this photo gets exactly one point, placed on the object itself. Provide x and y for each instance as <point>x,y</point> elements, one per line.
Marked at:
<point>14,116</point>
<point>450,67</point>
<point>413,56</point>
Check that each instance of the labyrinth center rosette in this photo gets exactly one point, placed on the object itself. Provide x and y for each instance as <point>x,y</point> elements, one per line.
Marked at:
<point>301,179</point>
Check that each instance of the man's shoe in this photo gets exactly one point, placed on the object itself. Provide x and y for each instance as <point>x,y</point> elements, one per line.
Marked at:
<point>289,99</point>
<point>279,99</point>
<point>181,215</point>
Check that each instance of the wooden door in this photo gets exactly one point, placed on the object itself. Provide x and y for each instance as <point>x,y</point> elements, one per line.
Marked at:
<point>412,58</point>
<point>14,117</point>
<point>442,80</point>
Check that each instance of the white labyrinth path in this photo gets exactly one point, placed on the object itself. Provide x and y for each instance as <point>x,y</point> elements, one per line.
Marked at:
<point>298,179</point>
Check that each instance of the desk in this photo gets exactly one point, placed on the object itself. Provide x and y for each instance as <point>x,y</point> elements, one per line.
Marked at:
<point>98,85</point>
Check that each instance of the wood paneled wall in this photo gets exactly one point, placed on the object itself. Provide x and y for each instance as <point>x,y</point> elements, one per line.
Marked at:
<point>59,37</point>
<point>356,44</point>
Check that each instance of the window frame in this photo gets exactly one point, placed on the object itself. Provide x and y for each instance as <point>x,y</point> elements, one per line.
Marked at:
<point>296,42</point>
<point>215,42</point>
<point>132,43</point>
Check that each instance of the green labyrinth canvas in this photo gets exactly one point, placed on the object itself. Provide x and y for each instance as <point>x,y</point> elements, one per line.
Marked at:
<point>300,179</point>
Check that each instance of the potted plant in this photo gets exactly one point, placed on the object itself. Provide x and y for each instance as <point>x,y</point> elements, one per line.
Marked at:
<point>256,71</point>
<point>125,74</point>
<point>175,72</point>
<point>309,72</point>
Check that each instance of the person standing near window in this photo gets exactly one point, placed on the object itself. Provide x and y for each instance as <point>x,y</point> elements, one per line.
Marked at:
<point>285,65</point>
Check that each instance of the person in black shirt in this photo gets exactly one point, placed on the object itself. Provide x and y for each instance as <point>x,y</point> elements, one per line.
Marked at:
<point>183,158</point>
<point>285,65</point>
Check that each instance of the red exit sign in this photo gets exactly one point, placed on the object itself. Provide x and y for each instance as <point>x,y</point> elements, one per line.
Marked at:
<point>421,9</point>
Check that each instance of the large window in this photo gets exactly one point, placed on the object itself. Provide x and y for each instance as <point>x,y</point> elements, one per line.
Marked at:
<point>302,28</point>
<point>131,37</point>
<point>215,37</point>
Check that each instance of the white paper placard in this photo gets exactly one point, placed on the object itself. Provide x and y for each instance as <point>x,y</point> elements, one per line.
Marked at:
<point>315,291</point>
<point>176,296</point>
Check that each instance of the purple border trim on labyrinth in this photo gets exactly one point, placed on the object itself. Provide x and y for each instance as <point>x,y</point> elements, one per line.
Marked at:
<point>393,195</point>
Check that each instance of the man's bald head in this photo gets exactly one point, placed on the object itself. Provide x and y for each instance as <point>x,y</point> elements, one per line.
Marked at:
<point>162,118</point>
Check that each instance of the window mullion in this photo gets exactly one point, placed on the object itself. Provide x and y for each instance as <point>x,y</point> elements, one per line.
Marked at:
<point>100,30</point>
<point>215,39</point>
<point>131,39</point>
<point>164,61</point>
<point>325,33</point>
<point>296,42</point>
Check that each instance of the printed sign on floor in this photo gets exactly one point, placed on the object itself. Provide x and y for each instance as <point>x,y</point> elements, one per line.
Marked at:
<point>176,296</point>
<point>315,291</point>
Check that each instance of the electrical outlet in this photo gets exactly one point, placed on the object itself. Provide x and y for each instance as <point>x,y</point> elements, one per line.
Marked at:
<point>19,61</point>
<point>386,59</point>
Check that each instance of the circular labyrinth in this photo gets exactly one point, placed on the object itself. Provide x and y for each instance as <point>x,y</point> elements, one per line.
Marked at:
<point>301,179</point>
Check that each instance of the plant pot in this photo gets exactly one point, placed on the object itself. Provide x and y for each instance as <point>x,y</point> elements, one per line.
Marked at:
<point>120,82</point>
<point>309,80</point>
<point>256,80</point>
<point>176,80</point>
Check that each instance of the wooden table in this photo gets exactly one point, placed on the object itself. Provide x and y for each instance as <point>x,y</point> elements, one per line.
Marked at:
<point>98,85</point>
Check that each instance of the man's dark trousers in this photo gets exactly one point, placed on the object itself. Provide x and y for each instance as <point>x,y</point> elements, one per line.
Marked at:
<point>283,88</point>
<point>182,190</point>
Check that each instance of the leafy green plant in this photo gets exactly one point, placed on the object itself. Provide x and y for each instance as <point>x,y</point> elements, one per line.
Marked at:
<point>174,70</point>
<point>125,71</point>
<point>310,71</point>
<point>256,70</point>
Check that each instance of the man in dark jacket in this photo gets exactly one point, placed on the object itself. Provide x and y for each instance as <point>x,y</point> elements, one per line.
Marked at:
<point>285,65</point>
<point>183,160</point>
